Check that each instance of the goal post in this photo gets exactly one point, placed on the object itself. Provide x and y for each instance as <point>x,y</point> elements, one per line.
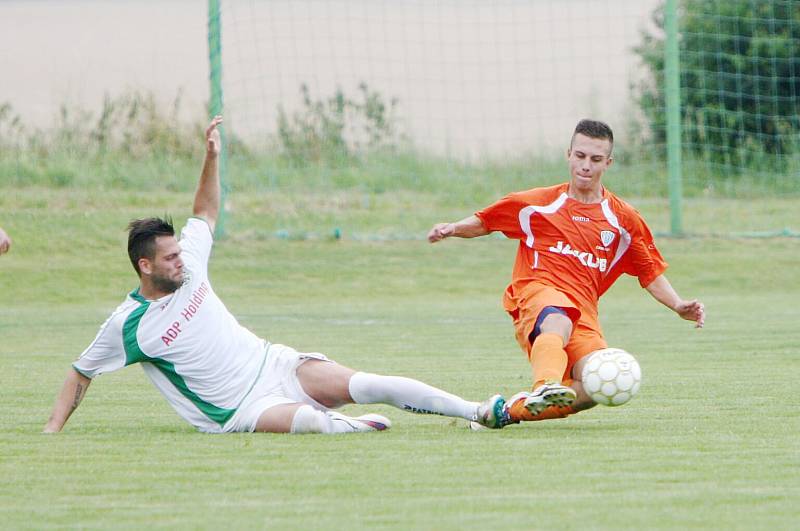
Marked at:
<point>215,104</point>
<point>673,110</point>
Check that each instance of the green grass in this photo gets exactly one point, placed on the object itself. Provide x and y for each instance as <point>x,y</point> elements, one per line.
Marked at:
<point>710,442</point>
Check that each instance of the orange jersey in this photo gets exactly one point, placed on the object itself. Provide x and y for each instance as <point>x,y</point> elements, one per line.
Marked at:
<point>577,248</point>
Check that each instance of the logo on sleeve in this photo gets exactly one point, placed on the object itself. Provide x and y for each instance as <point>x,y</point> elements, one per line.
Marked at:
<point>606,236</point>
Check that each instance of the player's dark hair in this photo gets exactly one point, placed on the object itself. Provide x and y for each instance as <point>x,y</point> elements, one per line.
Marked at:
<point>142,235</point>
<point>594,129</point>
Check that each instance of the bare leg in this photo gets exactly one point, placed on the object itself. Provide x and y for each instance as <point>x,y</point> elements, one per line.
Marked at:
<point>326,382</point>
<point>277,419</point>
<point>583,401</point>
<point>556,323</point>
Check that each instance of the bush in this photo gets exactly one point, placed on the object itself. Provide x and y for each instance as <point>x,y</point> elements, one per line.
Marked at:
<point>337,129</point>
<point>130,131</point>
<point>740,79</point>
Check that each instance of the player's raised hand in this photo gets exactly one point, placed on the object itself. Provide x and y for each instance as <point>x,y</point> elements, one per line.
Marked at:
<point>440,231</point>
<point>692,310</point>
<point>213,142</point>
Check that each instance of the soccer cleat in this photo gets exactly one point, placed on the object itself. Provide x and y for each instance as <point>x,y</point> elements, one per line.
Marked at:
<point>368,422</point>
<point>546,395</point>
<point>491,414</point>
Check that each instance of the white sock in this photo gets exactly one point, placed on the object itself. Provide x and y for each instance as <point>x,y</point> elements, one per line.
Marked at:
<point>309,420</point>
<point>410,395</point>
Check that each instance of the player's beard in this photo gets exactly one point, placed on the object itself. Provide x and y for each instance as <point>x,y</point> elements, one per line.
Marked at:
<point>166,284</point>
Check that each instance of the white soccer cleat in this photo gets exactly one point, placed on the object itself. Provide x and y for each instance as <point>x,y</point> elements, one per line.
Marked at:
<point>491,414</point>
<point>546,395</point>
<point>364,423</point>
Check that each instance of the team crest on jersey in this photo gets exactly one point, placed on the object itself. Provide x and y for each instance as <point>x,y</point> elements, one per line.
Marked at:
<point>606,236</point>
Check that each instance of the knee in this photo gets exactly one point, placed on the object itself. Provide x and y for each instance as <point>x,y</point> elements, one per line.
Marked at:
<point>326,382</point>
<point>557,323</point>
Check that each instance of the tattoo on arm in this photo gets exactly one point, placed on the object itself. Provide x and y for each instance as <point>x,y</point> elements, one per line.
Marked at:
<point>78,393</point>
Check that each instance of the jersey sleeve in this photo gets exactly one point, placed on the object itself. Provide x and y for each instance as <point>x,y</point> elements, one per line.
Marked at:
<point>504,216</point>
<point>105,354</point>
<point>196,242</point>
<point>644,260</point>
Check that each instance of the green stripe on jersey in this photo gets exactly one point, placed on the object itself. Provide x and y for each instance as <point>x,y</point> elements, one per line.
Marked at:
<point>134,354</point>
<point>135,295</point>
<point>217,414</point>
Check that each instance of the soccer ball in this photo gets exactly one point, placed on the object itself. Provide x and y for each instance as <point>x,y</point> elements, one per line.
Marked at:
<point>611,376</point>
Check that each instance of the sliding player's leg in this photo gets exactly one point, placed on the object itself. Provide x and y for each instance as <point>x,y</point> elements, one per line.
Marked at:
<point>303,418</point>
<point>333,385</point>
<point>276,402</point>
<point>543,327</point>
<point>585,339</point>
<point>549,361</point>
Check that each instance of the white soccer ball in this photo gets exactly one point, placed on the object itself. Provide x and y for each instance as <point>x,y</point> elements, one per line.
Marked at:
<point>611,376</point>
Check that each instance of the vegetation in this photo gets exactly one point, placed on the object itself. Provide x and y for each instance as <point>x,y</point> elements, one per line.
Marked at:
<point>131,142</point>
<point>347,150</point>
<point>739,85</point>
<point>338,129</point>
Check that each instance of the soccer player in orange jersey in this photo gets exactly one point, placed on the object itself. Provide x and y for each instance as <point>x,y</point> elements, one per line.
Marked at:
<point>576,239</point>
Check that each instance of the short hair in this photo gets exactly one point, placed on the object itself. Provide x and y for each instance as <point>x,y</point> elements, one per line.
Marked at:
<point>142,234</point>
<point>594,129</point>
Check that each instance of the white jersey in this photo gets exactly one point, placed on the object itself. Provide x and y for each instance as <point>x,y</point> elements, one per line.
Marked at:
<point>190,346</point>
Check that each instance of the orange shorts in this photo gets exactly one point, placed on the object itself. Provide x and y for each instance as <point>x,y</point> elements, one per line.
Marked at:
<point>587,336</point>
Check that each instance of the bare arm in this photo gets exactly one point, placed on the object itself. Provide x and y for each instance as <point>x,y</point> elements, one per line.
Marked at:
<point>5,242</point>
<point>206,199</point>
<point>470,227</point>
<point>663,292</point>
<point>72,392</point>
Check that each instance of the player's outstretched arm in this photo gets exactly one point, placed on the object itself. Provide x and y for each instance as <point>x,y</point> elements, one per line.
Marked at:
<point>5,242</point>
<point>470,227</point>
<point>206,199</point>
<point>72,392</point>
<point>663,292</point>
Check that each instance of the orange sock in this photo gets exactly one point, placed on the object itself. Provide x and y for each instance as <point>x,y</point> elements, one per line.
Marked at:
<point>548,359</point>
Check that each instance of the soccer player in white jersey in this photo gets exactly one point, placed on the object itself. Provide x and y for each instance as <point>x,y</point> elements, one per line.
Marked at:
<point>216,374</point>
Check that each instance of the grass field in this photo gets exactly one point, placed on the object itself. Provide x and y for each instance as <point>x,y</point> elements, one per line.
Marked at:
<point>710,442</point>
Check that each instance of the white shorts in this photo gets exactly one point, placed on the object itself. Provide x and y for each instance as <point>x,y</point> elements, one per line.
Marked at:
<point>277,384</point>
